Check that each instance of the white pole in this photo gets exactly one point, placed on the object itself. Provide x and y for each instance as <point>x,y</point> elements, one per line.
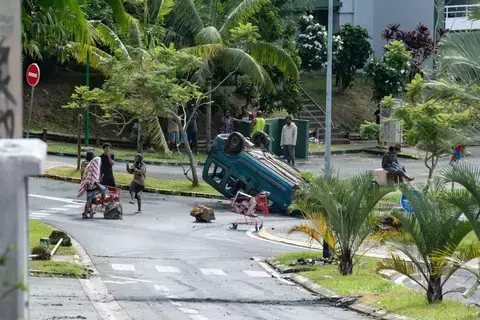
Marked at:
<point>327,252</point>
<point>328,102</point>
<point>19,158</point>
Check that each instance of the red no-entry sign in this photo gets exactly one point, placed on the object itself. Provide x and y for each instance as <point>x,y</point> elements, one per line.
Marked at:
<point>33,74</point>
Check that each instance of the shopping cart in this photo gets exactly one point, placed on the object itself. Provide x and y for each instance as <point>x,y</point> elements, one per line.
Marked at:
<point>112,196</point>
<point>247,205</point>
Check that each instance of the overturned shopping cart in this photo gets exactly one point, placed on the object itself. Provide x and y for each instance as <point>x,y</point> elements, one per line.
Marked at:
<point>247,206</point>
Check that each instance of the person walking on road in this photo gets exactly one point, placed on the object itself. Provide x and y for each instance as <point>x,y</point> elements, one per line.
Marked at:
<point>106,169</point>
<point>139,171</point>
<point>289,140</point>
<point>90,184</point>
<point>88,157</point>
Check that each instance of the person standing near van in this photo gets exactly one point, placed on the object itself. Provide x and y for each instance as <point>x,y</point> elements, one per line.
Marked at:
<point>258,123</point>
<point>289,140</point>
<point>106,169</point>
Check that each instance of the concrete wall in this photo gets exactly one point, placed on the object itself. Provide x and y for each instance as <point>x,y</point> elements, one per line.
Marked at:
<point>376,15</point>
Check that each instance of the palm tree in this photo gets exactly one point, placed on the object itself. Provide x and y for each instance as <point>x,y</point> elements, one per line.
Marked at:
<point>210,38</point>
<point>349,204</point>
<point>434,227</point>
<point>467,200</point>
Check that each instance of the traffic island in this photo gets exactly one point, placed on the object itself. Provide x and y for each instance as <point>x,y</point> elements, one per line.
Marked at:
<point>64,264</point>
<point>365,291</point>
<point>152,185</point>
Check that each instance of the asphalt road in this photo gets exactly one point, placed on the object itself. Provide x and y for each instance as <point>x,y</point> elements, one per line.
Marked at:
<point>162,265</point>
<point>345,165</point>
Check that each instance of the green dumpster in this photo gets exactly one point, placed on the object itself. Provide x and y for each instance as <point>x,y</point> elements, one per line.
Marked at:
<point>274,130</point>
<point>243,128</point>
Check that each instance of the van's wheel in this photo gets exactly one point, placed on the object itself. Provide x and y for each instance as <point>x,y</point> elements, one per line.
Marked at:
<point>235,143</point>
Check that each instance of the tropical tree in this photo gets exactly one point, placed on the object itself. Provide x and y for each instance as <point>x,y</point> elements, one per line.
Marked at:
<point>354,54</point>
<point>144,88</point>
<point>434,227</point>
<point>349,204</point>
<point>433,125</point>
<point>467,200</point>
<point>208,35</point>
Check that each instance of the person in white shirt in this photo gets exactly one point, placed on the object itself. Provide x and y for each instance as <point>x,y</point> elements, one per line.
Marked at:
<point>289,140</point>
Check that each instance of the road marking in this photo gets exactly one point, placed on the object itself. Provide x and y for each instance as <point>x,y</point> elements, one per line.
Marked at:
<point>167,269</point>
<point>120,282</point>
<point>123,267</point>
<point>125,278</point>
<point>47,211</point>
<point>257,274</point>
<point>198,317</point>
<point>60,209</point>
<point>164,289</point>
<point>73,206</point>
<point>55,198</point>
<point>175,303</point>
<point>188,311</point>
<point>213,272</point>
<point>251,235</point>
<point>40,214</point>
<point>272,271</point>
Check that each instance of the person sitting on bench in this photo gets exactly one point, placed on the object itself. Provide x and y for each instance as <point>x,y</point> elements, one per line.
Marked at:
<point>390,164</point>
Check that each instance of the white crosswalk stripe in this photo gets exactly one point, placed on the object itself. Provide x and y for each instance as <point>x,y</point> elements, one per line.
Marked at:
<point>123,267</point>
<point>74,206</point>
<point>257,274</point>
<point>167,269</point>
<point>213,272</point>
<point>60,209</point>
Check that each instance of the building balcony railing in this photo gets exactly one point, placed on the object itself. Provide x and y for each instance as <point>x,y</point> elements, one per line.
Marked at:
<point>456,17</point>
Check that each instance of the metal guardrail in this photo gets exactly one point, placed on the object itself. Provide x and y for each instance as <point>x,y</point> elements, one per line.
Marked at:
<point>459,11</point>
<point>334,125</point>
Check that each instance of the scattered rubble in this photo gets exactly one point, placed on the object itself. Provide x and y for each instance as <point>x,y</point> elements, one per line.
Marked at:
<point>203,213</point>
<point>41,252</point>
<point>313,262</point>
<point>56,235</point>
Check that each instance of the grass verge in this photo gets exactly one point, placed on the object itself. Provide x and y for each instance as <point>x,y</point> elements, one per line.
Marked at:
<point>315,147</point>
<point>378,292</point>
<point>127,154</point>
<point>54,268</point>
<point>124,178</point>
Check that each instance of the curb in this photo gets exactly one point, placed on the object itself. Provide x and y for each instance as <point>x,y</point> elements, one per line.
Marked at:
<point>346,151</point>
<point>149,190</point>
<point>268,236</point>
<point>381,153</point>
<point>156,163</point>
<point>336,300</point>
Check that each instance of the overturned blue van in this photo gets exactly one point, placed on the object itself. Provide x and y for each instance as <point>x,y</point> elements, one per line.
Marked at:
<point>234,164</point>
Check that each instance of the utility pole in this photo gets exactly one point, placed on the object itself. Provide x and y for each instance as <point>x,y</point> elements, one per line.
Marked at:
<point>19,158</point>
<point>327,252</point>
<point>87,115</point>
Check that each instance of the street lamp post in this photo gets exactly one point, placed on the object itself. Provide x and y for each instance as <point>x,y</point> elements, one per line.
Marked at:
<point>328,106</point>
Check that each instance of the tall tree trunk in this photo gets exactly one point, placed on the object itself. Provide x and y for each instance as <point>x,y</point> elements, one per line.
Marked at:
<point>434,291</point>
<point>346,263</point>
<point>139,137</point>
<point>191,161</point>
<point>208,133</point>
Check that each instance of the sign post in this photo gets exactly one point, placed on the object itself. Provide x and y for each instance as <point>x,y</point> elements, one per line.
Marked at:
<point>19,158</point>
<point>33,78</point>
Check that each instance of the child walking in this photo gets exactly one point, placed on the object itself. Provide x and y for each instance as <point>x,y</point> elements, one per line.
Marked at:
<point>139,171</point>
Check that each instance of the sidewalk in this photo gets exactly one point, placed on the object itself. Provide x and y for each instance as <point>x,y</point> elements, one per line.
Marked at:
<point>59,298</point>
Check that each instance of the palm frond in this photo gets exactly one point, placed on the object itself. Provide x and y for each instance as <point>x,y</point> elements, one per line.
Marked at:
<point>274,56</point>
<point>98,58</point>
<point>185,18</point>
<point>111,39</point>
<point>157,138</point>
<point>312,233</point>
<point>474,13</point>
<point>241,13</point>
<point>210,51</point>
<point>459,57</point>
<point>237,59</point>
<point>208,35</point>
<point>123,19</point>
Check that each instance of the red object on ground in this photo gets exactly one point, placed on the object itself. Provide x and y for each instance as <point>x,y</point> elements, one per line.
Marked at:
<point>33,75</point>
